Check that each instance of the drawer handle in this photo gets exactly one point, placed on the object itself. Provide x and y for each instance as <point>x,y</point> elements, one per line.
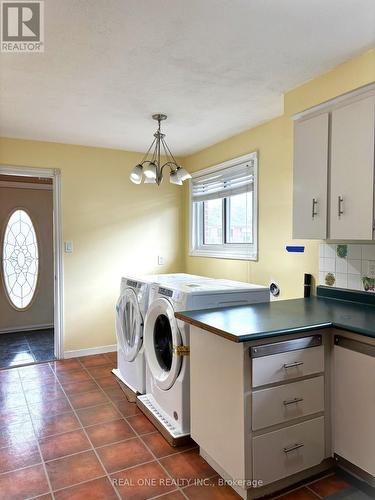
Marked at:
<point>293,447</point>
<point>340,201</point>
<point>293,365</point>
<point>314,213</point>
<point>292,401</point>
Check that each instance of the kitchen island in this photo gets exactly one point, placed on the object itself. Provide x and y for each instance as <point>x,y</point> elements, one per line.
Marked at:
<point>285,390</point>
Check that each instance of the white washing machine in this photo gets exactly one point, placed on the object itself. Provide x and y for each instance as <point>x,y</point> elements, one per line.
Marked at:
<point>166,341</point>
<point>131,310</point>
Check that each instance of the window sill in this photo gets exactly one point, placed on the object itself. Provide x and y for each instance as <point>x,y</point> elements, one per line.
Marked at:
<point>224,254</point>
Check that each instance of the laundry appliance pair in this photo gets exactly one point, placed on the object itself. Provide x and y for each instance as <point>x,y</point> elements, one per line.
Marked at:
<point>131,309</point>
<point>167,340</point>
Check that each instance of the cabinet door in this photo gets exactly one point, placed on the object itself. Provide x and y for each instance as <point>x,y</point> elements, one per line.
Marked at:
<point>354,407</point>
<point>310,178</point>
<point>352,171</point>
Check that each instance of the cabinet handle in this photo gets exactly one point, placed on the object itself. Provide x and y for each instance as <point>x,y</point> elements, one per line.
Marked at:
<point>293,447</point>
<point>292,401</point>
<point>340,209</point>
<point>314,213</point>
<point>293,365</point>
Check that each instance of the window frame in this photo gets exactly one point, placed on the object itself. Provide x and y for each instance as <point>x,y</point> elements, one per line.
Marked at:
<point>237,251</point>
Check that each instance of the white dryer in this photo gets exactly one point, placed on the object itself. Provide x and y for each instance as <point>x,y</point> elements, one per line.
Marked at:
<point>131,309</point>
<point>166,341</point>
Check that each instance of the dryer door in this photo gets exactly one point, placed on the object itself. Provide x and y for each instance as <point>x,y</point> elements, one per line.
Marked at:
<point>161,337</point>
<point>129,324</point>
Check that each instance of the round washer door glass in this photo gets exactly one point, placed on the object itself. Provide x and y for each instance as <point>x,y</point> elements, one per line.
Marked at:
<point>161,336</point>
<point>129,324</point>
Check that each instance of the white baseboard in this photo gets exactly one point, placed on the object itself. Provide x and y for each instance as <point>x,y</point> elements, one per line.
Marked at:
<point>90,351</point>
<point>26,328</point>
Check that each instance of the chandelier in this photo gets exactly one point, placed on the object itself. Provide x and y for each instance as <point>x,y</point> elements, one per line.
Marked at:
<point>150,167</point>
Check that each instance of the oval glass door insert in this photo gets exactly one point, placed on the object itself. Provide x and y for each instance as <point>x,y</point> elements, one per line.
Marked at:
<point>20,259</point>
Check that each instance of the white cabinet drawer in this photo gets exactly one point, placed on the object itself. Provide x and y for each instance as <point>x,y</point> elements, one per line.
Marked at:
<point>287,451</point>
<point>280,404</point>
<point>287,365</point>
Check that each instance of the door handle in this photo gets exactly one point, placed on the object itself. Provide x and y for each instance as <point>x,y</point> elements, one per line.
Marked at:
<point>293,447</point>
<point>293,365</point>
<point>340,209</point>
<point>292,401</point>
<point>314,213</point>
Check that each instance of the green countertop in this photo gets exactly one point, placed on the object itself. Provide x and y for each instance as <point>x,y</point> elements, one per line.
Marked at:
<point>258,321</point>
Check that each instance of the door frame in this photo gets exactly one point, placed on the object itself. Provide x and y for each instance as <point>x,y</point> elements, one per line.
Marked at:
<point>55,175</point>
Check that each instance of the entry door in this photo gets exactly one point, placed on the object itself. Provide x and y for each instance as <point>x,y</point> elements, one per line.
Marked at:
<point>26,251</point>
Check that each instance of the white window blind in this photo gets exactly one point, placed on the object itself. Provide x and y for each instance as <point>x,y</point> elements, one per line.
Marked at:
<point>229,181</point>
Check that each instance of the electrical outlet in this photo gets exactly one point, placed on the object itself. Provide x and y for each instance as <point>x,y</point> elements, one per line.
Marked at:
<point>161,260</point>
<point>371,269</point>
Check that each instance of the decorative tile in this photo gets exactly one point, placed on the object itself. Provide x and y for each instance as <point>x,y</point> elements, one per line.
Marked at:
<point>342,251</point>
<point>346,266</point>
<point>330,279</point>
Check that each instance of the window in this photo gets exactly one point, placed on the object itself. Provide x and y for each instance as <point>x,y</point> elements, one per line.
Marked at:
<point>224,210</point>
<point>20,259</point>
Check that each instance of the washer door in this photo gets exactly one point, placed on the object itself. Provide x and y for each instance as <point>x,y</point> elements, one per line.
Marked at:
<point>161,336</point>
<point>129,323</point>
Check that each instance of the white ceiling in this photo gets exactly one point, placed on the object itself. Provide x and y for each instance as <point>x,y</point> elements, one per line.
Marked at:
<point>216,67</point>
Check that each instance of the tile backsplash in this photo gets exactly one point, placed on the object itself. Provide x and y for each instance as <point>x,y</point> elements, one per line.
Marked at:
<point>347,266</point>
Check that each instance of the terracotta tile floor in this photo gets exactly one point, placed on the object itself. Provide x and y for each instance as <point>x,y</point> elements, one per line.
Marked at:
<point>67,431</point>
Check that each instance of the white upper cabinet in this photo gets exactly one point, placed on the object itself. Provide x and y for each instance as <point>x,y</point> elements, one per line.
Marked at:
<point>333,185</point>
<point>310,178</point>
<point>352,171</point>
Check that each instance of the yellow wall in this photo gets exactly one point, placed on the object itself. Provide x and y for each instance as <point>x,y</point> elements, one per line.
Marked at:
<point>274,143</point>
<point>116,228</point>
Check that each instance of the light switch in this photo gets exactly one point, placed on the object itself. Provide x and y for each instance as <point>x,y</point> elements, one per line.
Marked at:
<point>371,269</point>
<point>160,260</point>
<point>68,247</point>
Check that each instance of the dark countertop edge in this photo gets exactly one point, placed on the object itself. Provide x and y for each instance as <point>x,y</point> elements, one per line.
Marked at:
<point>252,336</point>
<point>274,333</point>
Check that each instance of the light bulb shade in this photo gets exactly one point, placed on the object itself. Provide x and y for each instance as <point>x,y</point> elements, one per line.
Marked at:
<point>136,174</point>
<point>150,180</point>
<point>183,174</point>
<point>150,170</point>
<point>174,178</point>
